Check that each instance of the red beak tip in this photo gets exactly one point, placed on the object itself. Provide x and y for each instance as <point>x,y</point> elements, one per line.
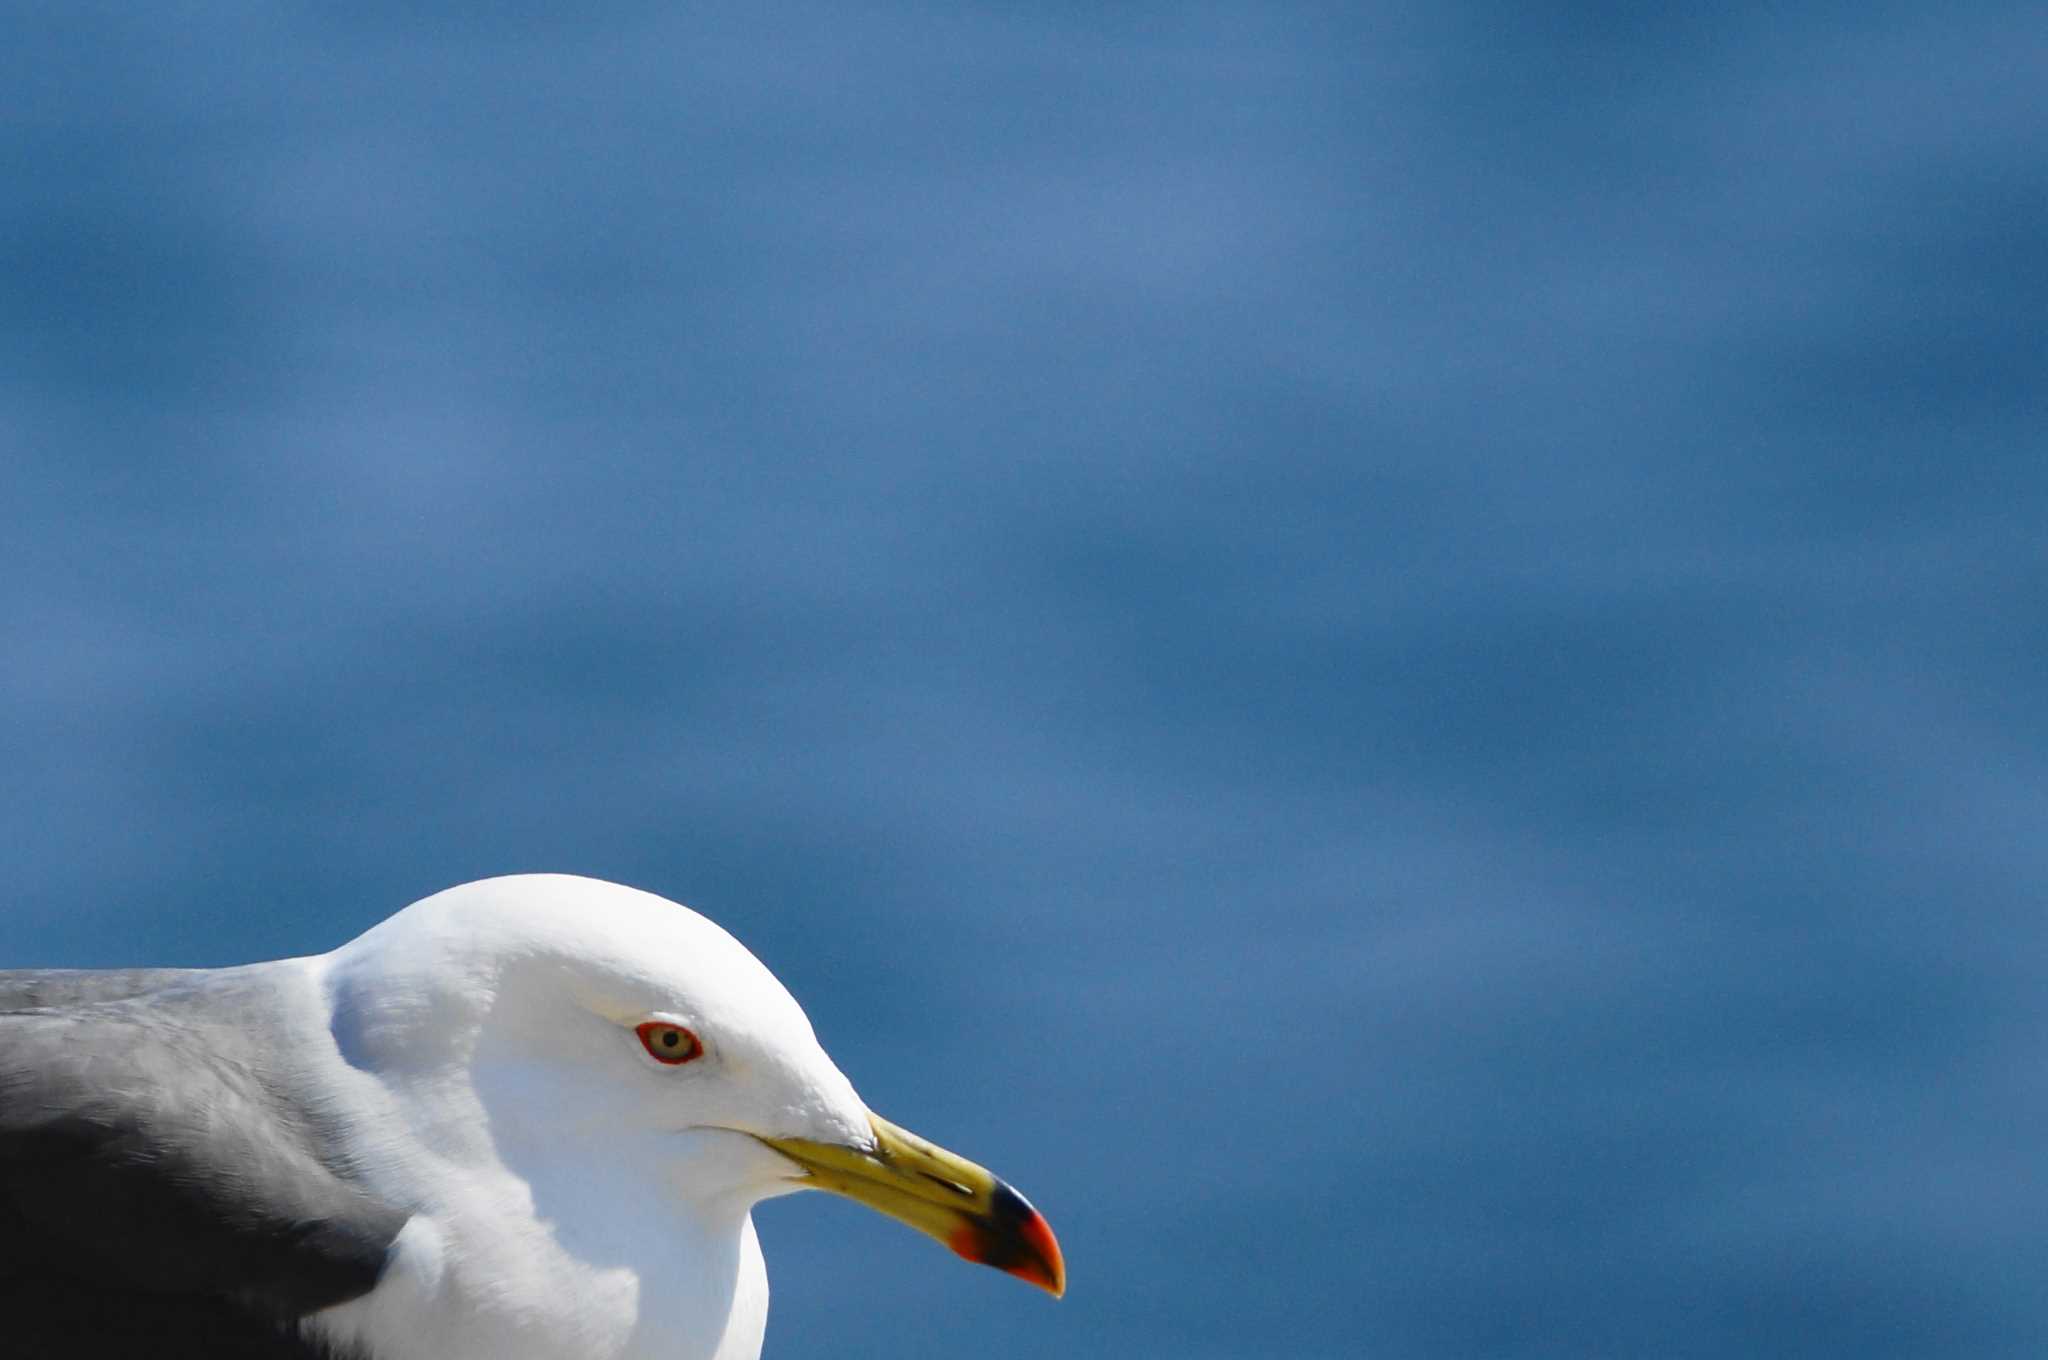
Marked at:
<point>1049,1271</point>
<point>1039,1263</point>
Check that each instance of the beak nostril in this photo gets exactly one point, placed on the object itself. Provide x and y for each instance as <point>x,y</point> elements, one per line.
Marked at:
<point>953,1185</point>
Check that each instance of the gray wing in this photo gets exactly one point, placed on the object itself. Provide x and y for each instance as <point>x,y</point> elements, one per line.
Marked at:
<point>166,1181</point>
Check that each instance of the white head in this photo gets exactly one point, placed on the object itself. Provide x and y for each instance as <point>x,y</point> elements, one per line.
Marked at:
<point>607,1047</point>
<point>553,995</point>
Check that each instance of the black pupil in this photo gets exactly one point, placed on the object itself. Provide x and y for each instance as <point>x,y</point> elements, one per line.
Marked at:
<point>670,1039</point>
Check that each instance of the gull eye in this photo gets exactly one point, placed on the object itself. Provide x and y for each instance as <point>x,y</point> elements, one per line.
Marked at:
<point>671,1044</point>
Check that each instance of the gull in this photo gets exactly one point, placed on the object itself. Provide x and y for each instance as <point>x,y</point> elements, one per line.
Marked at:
<point>523,1119</point>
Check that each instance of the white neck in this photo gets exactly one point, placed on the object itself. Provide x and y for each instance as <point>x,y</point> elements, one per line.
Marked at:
<point>535,1240</point>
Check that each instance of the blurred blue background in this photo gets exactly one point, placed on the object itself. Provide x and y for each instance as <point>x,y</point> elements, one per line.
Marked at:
<point>1394,653</point>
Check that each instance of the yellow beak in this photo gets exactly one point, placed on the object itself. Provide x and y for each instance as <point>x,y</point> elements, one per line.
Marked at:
<point>966,1207</point>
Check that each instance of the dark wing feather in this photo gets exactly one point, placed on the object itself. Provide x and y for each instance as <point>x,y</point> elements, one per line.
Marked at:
<point>164,1189</point>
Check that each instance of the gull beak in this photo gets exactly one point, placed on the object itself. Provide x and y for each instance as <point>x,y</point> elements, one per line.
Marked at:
<point>964,1206</point>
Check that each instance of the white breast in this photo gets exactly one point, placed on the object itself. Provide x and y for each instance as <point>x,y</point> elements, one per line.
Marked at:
<point>480,1284</point>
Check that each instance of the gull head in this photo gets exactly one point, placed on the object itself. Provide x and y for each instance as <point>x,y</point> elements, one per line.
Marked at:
<point>643,1057</point>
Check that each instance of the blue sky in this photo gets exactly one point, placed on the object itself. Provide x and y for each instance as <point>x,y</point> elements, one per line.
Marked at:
<point>1392,653</point>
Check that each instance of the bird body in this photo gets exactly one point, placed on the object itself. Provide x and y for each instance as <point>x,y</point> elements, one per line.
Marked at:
<point>171,1182</point>
<point>525,1119</point>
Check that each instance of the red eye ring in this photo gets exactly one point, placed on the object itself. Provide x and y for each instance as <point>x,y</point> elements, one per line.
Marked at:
<point>667,1043</point>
